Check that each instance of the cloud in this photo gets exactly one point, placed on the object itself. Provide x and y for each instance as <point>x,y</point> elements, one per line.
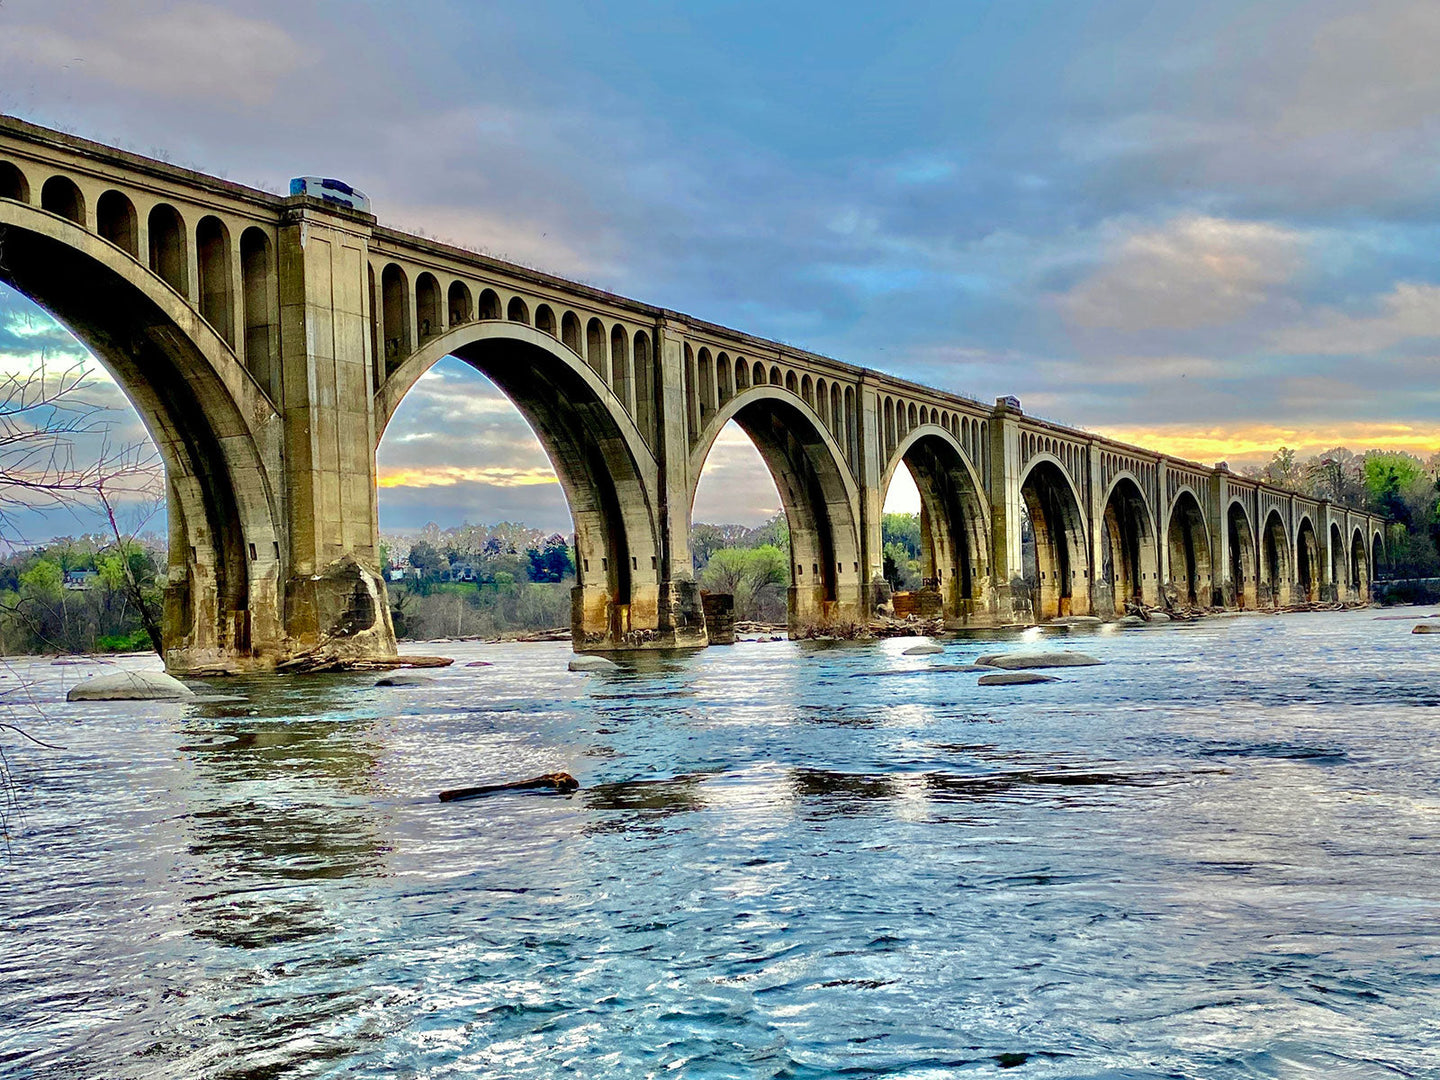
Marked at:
<point>1410,311</point>
<point>1191,272</point>
<point>199,50</point>
<point>450,475</point>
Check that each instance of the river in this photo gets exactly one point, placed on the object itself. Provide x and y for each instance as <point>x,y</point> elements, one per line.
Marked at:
<point>1214,856</point>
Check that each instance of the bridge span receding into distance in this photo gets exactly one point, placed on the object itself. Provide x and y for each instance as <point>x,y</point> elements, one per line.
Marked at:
<point>267,341</point>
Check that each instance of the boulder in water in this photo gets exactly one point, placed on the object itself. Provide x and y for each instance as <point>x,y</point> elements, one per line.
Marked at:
<point>1015,678</point>
<point>130,686</point>
<point>1130,620</point>
<point>480,663</point>
<point>592,663</point>
<point>402,680</point>
<point>926,648</point>
<point>1026,661</point>
<point>1426,628</point>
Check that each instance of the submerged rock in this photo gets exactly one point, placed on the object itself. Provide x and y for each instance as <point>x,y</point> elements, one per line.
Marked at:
<point>1024,661</point>
<point>1015,678</point>
<point>926,648</point>
<point>1130,620</point>
<point>402,680</point>
<point>130,686</point>
<point>481,663</point>
<point>592,663</point>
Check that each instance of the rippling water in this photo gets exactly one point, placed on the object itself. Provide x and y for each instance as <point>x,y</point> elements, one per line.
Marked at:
<point>1215,856</point>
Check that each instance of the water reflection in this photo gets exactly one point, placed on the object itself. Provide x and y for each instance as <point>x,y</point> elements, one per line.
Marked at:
<point>283,814</point>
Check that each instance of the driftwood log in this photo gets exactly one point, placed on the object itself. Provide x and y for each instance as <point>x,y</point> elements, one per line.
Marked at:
<point>562,782</point>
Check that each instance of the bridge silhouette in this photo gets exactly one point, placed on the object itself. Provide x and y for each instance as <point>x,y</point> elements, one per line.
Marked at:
<point>267,341</point>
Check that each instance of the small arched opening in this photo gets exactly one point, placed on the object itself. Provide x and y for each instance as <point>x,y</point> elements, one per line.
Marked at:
<point>570,333</point>
<point>645,382</point>
<point>595,348</point>
<point>545,320</point>
<point>461,306</point>
<point>60,195</point>
<point>427,307</point>
<point>489,304</point>
<point>168,255</point>
<point>620,379</point>
<point>217,288</point>
<point>518,310</point>
<point>116,221</point>
<point>13,184</point>
<point>260,293</point>
<point>395,316</point>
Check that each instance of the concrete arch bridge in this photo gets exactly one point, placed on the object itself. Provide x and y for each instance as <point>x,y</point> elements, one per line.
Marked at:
<point>267,341</point>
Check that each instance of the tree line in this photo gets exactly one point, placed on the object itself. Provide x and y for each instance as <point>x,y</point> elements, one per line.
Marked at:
<point>1400,487</point>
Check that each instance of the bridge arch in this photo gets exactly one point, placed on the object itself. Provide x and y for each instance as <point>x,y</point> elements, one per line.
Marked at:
<point>820,497</point>
<point>1061,549</point>
<point>1339,563</point>
<point>1276,571</point>
<point>212,423</point>
<point>954,517</point>
<point>1244,556</point>
<point>1192,574</point>
<point>1308,562</point>
<point>1130,555</point>
<point>603,464</point>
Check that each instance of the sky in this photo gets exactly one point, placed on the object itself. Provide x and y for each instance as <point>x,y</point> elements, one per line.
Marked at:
<point>1207,229</point>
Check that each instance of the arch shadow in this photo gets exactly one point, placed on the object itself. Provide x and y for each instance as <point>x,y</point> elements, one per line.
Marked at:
<point>1192,575</point>
<point>1130,559</point>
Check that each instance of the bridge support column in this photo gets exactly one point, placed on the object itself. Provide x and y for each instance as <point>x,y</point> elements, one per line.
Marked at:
<point>874,589</point>
<point>335,601</point>
<point>1012,598</point>
<point>680,615</point>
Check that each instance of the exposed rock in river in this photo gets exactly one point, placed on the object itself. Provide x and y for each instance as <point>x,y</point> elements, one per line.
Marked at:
<point>1015,678</point>
<point>1023,661</point>
<point>928,648</point>
<point>130,686</point>
<point>592,663</point>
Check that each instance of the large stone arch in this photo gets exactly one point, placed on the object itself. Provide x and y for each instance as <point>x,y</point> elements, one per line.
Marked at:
<point>217,431</point>
<point>1187,537</point>
<point>1129,568</point>
<point>1276,563</point>
<point>603,464</point>
<point>1339,564</point>
<point>1309,567</point>
<point>1244,565</point>
<point>954,517</point>
<point>821,500</point>
<point>1062,562</point>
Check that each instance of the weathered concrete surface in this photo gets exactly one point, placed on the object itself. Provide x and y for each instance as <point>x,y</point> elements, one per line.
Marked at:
<point>267,342</point>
